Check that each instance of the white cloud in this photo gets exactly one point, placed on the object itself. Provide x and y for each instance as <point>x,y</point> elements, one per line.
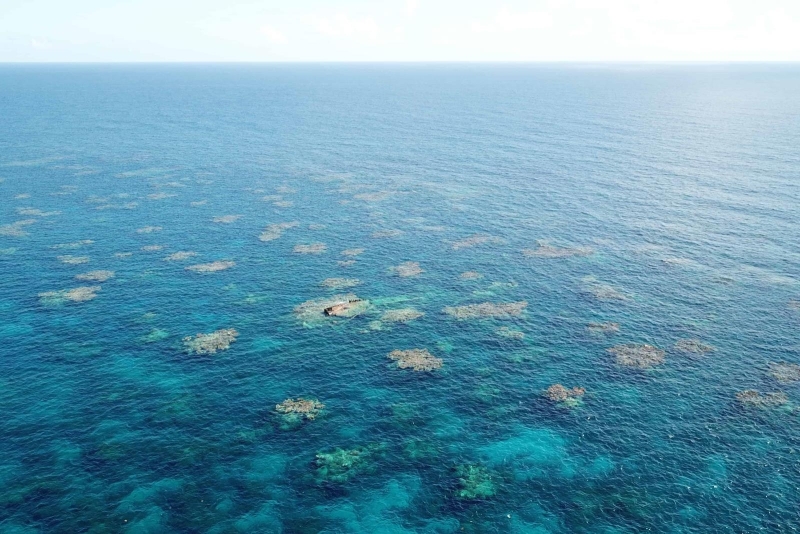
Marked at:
<point>506,21</point>
<point>40,44</point>
<point>411,7</point>
<point>342,26</point>
<point>273,35</point>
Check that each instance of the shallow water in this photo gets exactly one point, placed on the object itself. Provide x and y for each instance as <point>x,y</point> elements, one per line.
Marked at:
<point>683,182</point>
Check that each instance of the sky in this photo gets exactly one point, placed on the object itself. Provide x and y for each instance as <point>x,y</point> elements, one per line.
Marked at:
<point>399,30</point>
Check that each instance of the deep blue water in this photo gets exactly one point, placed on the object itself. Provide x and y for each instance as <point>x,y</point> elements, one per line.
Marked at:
<point>684,182</point>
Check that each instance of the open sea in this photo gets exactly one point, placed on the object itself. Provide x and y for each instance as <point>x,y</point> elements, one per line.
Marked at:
<point>483,233</point>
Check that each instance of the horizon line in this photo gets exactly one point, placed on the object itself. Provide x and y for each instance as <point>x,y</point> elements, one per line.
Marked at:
<point>418,62</point>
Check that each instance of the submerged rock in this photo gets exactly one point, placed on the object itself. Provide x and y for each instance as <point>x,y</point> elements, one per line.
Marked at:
<point>568,397</point>
<point>313,312</point>
<point>407,269</point>
<point>341,465</point>
<point>353,252</point>
<point>415,359</point>
<point>601,291</point>
<point>79,294</point>
<point>294,411</point>
<point>313,248</point>
<point>306,408</point>
<point>152,248</point>
<point>510,333</point>
<point>210,343</point>
<point>226,219</point>
<point>603,328</point>
<point>477,239</point>
<point>212,267</point>
<point>546,250</point>
<point>95,276</point>
<point>180,256</point>
<point>73,260</point>
<point>784,372</point>
<point>487,309</point>
<point>693,346</point>
<point>638,356</point>
<point>340,283</point>
<point>751,397</point>
<point>274,231</point>
<point>351,308</point>
<point>475,482</point>
<point>386,234</point>
<point>470,275</point>
<point>148,229</point>
<point>74,244</point>
<point>16,229</point>
<point>402,315</point>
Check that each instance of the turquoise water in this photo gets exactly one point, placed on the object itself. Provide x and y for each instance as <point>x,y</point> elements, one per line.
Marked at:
<point>672,195</point>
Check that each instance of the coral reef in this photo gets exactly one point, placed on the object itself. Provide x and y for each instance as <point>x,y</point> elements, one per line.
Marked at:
<point>313,248</point>
<point>401,315</point>
<point>123,254</point>
<point>212,267</point>
<point>152,248</point>
<point>95,276</point>
<point>510,333</point>
<point>751,397</point>
<point>340,283</point>
<point>475,482</point>
<point>275,231</point>
<point>180,256</point>
<point>477,239</point>
<point>283,203</point>
<point>16,229</point>
<point>406,269</point>
<point>294,411</point>
<point>352,252</point>
<point>316,226</point>
<point>568,397</point>
<point>226,219</point>
<point>210,343</point>
<point>470,275</point>
<point>784,372</point>
<point>794,304</point>
<point>603,328</point>
<point>346,263</point>
<point>546,250</point>
<point>693,346</point>
<point>487,309</point>
<point>639,356</point>
<point>79,294</point>
<point>415,359</point>
<point>148,229</point>
<point>198,203</point>
<point>341,465</point>
<point>73,260</point>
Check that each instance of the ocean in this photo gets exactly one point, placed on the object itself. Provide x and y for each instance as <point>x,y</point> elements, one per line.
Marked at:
<point>560,298</point>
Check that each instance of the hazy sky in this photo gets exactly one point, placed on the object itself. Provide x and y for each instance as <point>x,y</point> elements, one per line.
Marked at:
<point>399,30</point>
